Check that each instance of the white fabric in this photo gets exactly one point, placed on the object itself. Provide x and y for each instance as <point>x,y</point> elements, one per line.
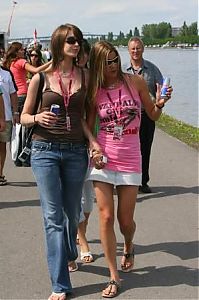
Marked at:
<point>14,145</point>
<point>115,177</point>
<point>7,87</point>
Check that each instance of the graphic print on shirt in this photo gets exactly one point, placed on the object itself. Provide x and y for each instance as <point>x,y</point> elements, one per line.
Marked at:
<point>118,110</point>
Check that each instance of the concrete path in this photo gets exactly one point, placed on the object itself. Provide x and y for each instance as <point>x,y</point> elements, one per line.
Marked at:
<point>166,240</point>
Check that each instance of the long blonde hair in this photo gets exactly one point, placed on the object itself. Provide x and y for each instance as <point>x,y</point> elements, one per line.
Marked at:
<point>58,40</point>
<point>98,56</point>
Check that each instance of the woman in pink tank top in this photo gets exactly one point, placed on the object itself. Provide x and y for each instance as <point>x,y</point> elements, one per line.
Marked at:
<point>116,97</point>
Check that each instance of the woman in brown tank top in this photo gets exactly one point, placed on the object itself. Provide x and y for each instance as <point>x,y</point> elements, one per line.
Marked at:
<point>59,155</point>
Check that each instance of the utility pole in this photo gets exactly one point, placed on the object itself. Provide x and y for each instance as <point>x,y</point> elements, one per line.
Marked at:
<point>10,21</point>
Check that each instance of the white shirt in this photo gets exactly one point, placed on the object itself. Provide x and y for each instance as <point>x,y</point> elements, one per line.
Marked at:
<point>7,87</point>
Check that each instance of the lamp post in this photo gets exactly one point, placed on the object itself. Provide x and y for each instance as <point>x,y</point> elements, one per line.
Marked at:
<point>10,21</point>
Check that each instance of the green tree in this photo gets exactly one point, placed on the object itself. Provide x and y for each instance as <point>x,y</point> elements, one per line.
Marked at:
<point>129,35</point>
<point>193,29</point>
<point>136,32</point>
<point>184,29</point>
<point>110,36</point>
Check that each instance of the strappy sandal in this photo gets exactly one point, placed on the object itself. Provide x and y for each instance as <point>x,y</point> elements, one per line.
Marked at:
<point>129,257</point>
<point>72,266</point>
<point>3,180</point>
<point>86,257</point>
<point>111,293</point>
<point>57,296</point>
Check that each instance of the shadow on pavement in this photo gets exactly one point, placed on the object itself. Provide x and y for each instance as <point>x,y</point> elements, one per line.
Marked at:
<point>13,204</point>
<point>22,184</point>
<point>148,277</point>
<point>165,191</point>
<point>183,250</point>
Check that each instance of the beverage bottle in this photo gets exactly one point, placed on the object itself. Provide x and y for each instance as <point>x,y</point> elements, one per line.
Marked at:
<point>164,88</point>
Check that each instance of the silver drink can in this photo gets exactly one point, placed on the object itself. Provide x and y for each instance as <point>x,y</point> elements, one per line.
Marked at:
<point>164,88</point>
<point>55,108</point>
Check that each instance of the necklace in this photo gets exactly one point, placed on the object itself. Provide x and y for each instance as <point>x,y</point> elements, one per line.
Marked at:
<point>67,74</point>
<point>113,85</point>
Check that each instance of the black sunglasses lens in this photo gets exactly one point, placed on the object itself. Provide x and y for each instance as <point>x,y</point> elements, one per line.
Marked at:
<point>71,40</point>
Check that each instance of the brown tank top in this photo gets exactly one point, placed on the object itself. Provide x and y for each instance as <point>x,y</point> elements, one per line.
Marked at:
<point>58,133</point>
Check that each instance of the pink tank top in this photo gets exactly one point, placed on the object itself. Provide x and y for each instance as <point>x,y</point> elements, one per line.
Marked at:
<point>113,105</point>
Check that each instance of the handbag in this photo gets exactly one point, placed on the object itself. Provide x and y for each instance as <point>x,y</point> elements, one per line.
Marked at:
<point>14,145</point>
<point>24,156</point>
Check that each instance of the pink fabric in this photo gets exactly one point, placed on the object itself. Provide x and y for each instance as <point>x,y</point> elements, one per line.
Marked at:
<point>124,154</point>
<point>18,69</point>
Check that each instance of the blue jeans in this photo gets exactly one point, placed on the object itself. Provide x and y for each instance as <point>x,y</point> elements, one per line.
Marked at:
<point>59,170</point>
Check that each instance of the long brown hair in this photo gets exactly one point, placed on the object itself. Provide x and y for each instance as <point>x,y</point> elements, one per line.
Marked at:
<point>11,54</point>
<point>58,40</point>
<point>98,56</point>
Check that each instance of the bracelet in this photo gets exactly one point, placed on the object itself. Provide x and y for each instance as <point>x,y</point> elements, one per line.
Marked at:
<point>160,107</point>
<point>16,113</point>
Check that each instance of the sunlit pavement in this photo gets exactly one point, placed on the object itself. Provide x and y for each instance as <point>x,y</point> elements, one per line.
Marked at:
<point>166,243</point>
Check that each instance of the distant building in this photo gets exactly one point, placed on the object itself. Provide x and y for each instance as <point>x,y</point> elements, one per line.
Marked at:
<point>175,31</point>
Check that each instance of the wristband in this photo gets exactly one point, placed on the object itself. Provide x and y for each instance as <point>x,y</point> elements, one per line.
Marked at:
<point>160,107</point>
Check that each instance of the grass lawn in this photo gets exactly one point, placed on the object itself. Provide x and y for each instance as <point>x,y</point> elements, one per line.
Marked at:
<point>182,131</point>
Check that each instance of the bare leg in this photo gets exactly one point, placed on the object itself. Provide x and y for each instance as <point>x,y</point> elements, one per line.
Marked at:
<point>2,157</point>
<point>83,241</point>
<point>127,196</point>
<point>104,195</point>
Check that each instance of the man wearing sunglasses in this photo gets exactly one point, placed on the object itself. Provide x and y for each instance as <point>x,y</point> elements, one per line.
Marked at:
<point>152,76</point>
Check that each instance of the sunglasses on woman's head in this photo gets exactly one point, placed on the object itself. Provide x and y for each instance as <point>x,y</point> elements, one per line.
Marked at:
<point>114,60</point>
<point>72,40</point>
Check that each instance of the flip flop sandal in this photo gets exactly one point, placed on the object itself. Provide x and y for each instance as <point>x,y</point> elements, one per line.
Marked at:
<point>128,256</point>
<point>3,180</point>
<point>57,296</point>
<point>86,257</point>
<point>111,294</point>
<point>72,266</point>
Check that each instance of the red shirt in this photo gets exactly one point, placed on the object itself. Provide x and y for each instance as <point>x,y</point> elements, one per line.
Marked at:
<point>18,69</point>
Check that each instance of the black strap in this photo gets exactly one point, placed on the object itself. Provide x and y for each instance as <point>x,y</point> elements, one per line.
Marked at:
<point>38,100</point>
<point>39,92</point>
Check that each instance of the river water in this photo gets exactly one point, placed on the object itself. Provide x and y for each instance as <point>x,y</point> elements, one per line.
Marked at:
<point>181,65</point>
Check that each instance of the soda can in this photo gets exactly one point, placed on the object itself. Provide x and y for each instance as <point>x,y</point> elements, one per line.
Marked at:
<point>164,88</point>
<point>55,108</point>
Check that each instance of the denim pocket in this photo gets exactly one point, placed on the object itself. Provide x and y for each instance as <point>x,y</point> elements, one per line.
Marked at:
<point>39,147</point>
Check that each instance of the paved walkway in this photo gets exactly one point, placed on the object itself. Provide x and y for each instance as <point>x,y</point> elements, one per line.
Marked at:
<point>165,242</point>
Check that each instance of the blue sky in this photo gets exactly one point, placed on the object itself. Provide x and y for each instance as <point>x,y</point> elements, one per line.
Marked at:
<point>93,16</point>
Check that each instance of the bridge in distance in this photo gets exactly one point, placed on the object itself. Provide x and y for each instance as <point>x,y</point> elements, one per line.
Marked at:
<point>45,40</point>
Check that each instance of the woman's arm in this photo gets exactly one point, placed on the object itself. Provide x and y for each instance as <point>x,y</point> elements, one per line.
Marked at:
<point>34,70</point>
<point>2,114</point>
<point>46,118</point>
<point>152,109</point>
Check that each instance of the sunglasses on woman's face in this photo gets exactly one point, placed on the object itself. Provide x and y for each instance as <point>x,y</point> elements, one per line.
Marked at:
<point>34,55</point>
<point>72,40</point>
<point>114,60</point>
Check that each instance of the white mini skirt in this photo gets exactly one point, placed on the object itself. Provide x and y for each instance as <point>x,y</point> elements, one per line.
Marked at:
<point>115,177</point>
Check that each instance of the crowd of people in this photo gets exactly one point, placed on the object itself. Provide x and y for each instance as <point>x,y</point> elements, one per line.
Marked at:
<point>72,162</point>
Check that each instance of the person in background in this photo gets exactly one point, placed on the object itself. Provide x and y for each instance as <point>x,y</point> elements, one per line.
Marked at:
<point>2,113</point>
<point>19,66</point>
<point>11,116</point>
<point>87,192</point>
<point>59,155</point>
<point>2,53</point>
<point>35,59</point>
<point>152,76</point>
<point>116,97</point>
